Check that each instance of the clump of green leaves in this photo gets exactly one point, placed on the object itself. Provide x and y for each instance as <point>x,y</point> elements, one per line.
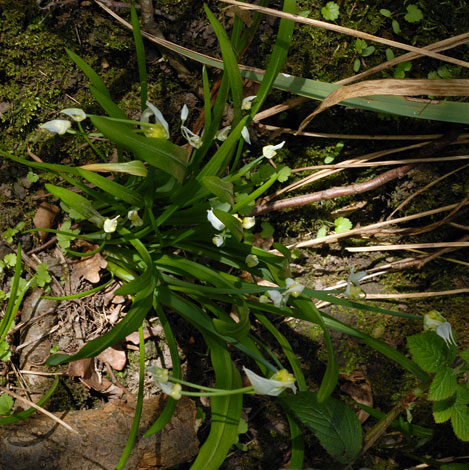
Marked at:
<point>363,50</point>
<point>413,15</point>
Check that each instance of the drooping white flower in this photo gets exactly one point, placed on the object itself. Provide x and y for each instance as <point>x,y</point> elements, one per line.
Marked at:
<point>161,378</point>
<point>247,102</point>
<point>245,135</point>
<point>222,134</point>
<point>277,298</point>
<point>56,126</point>
<point>214,220</point>
<point>269,151</point>
<point>274,386</point>
<point>294,287</point>
<point>192,138</point>
<point>134,218</point>
<point>248,222</point>
<point>353,282</point>
<point>176,392</point>
<point>75,113</point>
<point>159,374</point>
<point>184,113</point>
<point>252,260</point>
<point>110,225</point>
<point>218,240</point>
<point>160,130</point>
<point>433,320</point>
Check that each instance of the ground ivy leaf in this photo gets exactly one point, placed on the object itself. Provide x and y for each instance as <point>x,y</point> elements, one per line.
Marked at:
<point>42,274</point>
<point>6,403</point>
<point>342,224</point>
<point>322,232</point>
<point>443,409</point>
<point>444,384</point>
<point>460,422</point>
<point>428,350</point>
<point>284,174</point>
<point>331,11</point>
<point>414,14</point>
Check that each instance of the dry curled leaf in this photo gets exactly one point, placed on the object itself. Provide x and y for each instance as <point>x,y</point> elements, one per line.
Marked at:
<point>44,217</point>
<point>88,269</point>
<point>115,356</point>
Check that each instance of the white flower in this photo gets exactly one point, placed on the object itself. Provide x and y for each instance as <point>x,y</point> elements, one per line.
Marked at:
<point>192,138</point>
<point>161,128</point>
<point>159,374</point>
<point>214,220</point>
<point>184,113</point>
<point>354,280</point>
<point>274,386</point>
<point>176,391</point>
<point>75,113</point>
<point>57,126</point>
<point>222,134</point>
<point>245,135</point>
<point>269,151</point>
<point>433,320</point>
<point>286,75</point>
<point>248,222</point>
<point>110,225</point>
<point>294,287</point>
<point>161,377</point>
<point>247,102</point>
<point>277,298</point>
<point>263,299</point>
<point>134,218</point>
<point>252,260</point>
<point>218,240</point>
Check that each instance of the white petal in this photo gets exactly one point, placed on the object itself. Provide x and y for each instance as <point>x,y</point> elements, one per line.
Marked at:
<point>159,119</point>
<point>57,126</point>
<point>263,386</point>
<point>294,287</point>
<point>192,138</point>
<point>176,392</point>
<point>246,104</point>
<point>222,134</point>
<point>214,220</point>
<point>184,113</point>
<point>135,218</point>
<point>248,222</point>
<point>159,374</point>
<point>218,240</point>
<point>252,260</point>
<point>75,113</point>
<point>269,151</point>
<point>355,278</point>
<point>110,225</point>
<point>277,298</point>
<point>444,331</point>
<point>245,135</point>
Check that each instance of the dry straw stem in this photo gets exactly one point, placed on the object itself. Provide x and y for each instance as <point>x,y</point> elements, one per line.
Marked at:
<point>292,102</point>
<point>37,407</point>
<point>348,164</point>
<point>357,231</point>
<point>347,31</point>
<point>408,246</point>
<point>416,295</point>
<point>421,190</point>
<point>392,87</point>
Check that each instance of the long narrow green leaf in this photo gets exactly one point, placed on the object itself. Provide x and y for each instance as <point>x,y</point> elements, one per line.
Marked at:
<point>226,410</point>
<point>167,413</point>
<point>93,77</point>
<point>112,188</point>
<point>77,202</point>
<point>140,48</point>
<point>230,65</point>
<point>160,153</point>
<point>207,103</point>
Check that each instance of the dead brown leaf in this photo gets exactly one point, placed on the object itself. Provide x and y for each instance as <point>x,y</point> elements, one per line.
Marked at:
<point>115,356</point>
<point>393,87</point>
<point>44,217</point>
<point>88,269</point>
<point>359,388</point>
<point>147,333</point>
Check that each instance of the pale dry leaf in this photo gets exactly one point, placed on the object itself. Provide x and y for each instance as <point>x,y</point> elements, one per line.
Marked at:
<point>359,388</point>
<point>88,269</point>
<point>115,356</point>
<point>392,87</point>
<point>147,333</point>
<point>82,368</point>
<point>44,217</point>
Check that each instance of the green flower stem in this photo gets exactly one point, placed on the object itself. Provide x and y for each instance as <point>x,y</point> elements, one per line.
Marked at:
<point>103,158</point>
<point>212,391</point>
<point>220,393</point>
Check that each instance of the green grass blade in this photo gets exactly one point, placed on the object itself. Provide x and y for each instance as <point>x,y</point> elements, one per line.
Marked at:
<point>230,65</point>
<point>171,404</point>
<point>226,410</point>
<point>112,188</point>
<point>207,99</point>
<point>160,153</point>
<point>107,104</point>
<point>141,61</point>
<point>138,409</point>
<point>93,77</point>
<point>279,55</point>
<point>11,309</point>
